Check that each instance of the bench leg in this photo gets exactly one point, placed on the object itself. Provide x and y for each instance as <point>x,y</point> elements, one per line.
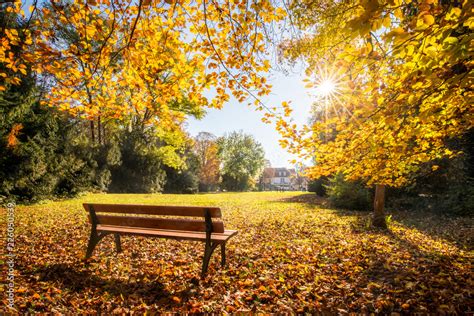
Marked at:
<point>93,241</point>
<point>118,245</point>
<point>223,254</point>
<point>207,256</point>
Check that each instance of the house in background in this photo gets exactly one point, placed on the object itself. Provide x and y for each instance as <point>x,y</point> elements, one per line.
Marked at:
<point>282,179</point>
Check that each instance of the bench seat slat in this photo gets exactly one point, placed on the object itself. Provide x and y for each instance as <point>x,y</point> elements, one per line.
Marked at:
<point>192,211</point>
<point>171,234</point>
<point>160,223</point>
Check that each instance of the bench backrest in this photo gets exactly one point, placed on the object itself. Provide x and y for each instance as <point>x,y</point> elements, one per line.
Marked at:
<point>178,217</point>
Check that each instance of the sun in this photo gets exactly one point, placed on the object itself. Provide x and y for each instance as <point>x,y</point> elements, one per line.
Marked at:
<point>330,91</point>
<point>326,88</point>
<point>327,84</point>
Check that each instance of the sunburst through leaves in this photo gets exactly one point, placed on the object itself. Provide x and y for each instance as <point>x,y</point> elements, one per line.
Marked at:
<point>330,92</point>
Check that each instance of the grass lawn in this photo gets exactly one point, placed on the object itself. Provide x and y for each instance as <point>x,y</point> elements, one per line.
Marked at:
<point>291,255</point>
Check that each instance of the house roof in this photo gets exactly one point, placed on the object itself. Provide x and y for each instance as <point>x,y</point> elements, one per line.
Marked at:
<point>275,172</point>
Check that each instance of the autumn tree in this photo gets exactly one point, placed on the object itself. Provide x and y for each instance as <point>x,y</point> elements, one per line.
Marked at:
<point>242,159</point>
<point>39,146</point>
<point>15,38</point>
<point>140,62</point>
<point>123,56</point>
<point>400,74</point>
<point>205,147</point>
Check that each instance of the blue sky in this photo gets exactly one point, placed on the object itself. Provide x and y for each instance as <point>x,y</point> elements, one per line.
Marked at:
<point>235,116</point>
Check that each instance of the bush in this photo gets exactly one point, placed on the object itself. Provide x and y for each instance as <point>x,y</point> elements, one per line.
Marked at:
<point>85,166</point>
<point>203,187</point>
<point>184,179</point>
<point>49,159</point>
<point>449,189</point>
<point>235,183</point>
<point>348,195</point>
<point>458,200</point>
<point>141,168</point>
<point>318,186</point>
<point>181,181</point>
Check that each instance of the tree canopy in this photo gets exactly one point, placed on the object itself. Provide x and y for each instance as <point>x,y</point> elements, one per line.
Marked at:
<point>400,71</point>
<point>115,58</point>
<point>242,160</point>
<point>138,65</point>
<point>401,75</point>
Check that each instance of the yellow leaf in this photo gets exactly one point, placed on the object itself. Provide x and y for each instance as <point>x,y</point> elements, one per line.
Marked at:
<point>453,14</point>
<point>428,19</point>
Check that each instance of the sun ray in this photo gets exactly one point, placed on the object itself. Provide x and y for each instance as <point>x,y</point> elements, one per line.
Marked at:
<point>331,93</point>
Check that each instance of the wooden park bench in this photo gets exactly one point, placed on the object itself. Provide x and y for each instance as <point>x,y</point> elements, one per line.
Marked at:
<point>182,223</point>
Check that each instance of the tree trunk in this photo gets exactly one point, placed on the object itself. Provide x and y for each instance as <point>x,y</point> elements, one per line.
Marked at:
<point>104,136</point>
<point>379,202</point>
<point>92,131</point>
<point>99,127</point>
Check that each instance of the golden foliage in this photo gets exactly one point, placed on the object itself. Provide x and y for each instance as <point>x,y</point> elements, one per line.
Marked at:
<point>206,149</point>
<point>407,72</point>
<point>117,58</point>
<point>11,43</point>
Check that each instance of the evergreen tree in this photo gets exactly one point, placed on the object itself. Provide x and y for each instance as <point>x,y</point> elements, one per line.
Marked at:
<point>44,153</point>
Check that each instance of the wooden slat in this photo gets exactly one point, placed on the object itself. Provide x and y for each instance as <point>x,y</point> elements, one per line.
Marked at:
<point>192,211</point>
<point>168,234</point>
<point>160,223</point>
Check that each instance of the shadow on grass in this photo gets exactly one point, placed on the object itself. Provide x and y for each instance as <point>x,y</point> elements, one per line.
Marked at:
<point>311,199</point>
<point>78,278</point>
<point>454,229</point>
<point>420,277</point>
<point>422,268</point>
<point>451,228</point>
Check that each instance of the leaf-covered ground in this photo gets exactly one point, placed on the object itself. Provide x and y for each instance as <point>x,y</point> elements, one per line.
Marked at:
<point>291,255</point>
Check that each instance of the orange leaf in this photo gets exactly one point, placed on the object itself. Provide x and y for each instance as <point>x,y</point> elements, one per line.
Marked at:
<point>12,139</point>
<point>176,299</point>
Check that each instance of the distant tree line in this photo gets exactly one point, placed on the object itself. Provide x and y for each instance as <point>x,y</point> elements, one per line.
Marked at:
<point>48,154</point>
